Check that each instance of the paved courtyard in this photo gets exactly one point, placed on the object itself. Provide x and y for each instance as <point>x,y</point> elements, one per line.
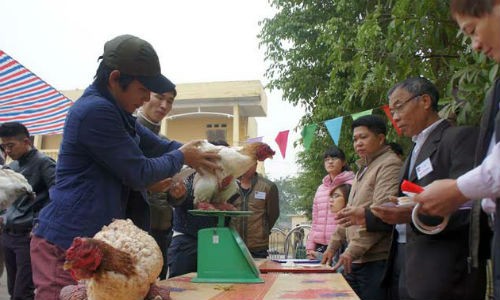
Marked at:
<point>4,295</point>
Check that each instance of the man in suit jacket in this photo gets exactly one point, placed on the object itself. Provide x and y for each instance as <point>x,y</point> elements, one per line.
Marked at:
<point>424,266</point>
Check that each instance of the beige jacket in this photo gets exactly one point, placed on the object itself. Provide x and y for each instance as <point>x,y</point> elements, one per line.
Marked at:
<point>263,200</point>
<point>376,180</point>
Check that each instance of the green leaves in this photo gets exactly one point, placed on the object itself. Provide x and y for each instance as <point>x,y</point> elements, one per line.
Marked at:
<point>340,57</point>
<point>493,73</point>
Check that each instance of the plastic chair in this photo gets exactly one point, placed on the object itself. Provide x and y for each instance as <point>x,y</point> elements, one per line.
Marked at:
<point>295,242</point>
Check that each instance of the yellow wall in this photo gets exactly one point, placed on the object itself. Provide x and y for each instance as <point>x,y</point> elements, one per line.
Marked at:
<point>212,93</point>
<point>186,129</point>
<point>252,128</point>
<point>51,141</point>
<point>182,130</point>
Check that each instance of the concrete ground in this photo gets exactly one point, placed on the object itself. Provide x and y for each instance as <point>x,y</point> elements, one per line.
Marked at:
<point>4,295</point>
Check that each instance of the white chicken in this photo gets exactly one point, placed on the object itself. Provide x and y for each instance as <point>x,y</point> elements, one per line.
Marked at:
<point>120,262</point>
<point>211,191</point>
<point>12,185</point>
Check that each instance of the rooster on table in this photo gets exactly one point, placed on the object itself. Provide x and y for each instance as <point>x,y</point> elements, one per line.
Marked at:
<point>120,262</point>
<point>12,186</point>
<point>211,191</point>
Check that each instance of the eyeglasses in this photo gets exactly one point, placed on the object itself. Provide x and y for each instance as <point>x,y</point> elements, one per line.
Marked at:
<point>400,106</point>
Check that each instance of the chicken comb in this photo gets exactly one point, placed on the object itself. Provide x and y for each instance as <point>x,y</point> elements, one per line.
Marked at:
<point>410,187</point>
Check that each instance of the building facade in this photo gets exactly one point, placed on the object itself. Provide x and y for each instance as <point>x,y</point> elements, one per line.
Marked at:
<point>208,110</point>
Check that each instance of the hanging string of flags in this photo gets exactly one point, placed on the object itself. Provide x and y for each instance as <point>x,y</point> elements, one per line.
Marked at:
<point>333,126</point>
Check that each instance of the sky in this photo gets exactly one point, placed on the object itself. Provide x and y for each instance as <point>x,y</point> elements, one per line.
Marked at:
<point>196,41</point>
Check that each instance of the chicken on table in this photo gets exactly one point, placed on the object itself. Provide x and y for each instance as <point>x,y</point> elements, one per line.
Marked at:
<point>120,262</point>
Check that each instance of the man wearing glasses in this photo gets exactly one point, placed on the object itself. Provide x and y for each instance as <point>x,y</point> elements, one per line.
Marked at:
<point>432,266</point>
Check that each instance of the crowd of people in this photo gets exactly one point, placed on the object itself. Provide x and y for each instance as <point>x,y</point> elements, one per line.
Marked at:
<point>113,163</point>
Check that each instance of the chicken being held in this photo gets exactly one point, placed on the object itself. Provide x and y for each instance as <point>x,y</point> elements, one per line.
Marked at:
<point>212,191</point>
<point>120,262</point>
<point>12,186</point>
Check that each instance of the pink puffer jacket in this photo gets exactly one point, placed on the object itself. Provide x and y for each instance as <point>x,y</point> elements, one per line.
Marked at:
<point>323,220</point>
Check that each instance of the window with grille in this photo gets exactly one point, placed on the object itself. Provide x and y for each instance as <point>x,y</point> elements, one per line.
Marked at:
<point>216,132</point>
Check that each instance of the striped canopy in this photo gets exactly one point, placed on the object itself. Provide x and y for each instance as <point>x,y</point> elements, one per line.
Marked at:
<point>27,99</point>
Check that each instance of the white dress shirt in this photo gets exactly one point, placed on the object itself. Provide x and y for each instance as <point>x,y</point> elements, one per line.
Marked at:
<point>484,180</point>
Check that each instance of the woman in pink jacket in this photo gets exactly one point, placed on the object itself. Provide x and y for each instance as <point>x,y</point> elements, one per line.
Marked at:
<point>323,220</point>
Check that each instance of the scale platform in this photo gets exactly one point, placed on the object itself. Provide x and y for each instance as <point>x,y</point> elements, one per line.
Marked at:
<point>223,257</point>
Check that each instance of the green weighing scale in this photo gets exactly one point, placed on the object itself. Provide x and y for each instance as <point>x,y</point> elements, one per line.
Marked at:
<point>223,257</point>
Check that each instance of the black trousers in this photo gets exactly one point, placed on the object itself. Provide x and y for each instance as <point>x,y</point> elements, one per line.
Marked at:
<point>364,279</point>
<point>163,239</point>
<point>18,265</point>
<point>182,255</point>
<point>397,290</point>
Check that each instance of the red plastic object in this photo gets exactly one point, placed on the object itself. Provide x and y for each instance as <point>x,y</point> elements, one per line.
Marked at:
<point>408,186</point>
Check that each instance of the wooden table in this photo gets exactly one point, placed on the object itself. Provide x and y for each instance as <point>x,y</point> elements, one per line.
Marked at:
<point>275,286</point>
<point>270,266</point>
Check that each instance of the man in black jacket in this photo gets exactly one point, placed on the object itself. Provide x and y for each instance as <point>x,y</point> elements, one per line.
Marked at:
<point>39,170</point>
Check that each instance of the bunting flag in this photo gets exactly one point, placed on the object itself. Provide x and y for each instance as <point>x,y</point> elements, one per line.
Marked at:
<point>27,99</point>
<point>282,140</point>
<point>333,126</point>
<point>254,140</point>
<point>362,113</point>
<point>387,112</point>
<point>308,135</point>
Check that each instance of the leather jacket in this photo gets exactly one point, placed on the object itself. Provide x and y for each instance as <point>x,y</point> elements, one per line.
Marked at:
<point>39,170</point>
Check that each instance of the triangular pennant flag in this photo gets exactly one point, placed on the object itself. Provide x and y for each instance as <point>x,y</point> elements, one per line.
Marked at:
<point>389,115</point>
<point>254,140</point>
<point>360,114</point>
<point>282,140</point>
<point>334,126</point>
<point>308,135</point>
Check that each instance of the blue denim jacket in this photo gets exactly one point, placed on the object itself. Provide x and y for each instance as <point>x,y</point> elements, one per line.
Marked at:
<point>105,157</point>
